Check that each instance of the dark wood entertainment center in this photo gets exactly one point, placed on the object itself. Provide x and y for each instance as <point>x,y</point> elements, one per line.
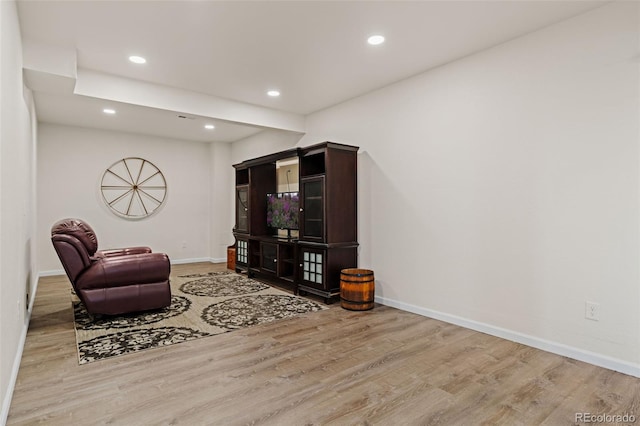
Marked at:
<point>326,243</point>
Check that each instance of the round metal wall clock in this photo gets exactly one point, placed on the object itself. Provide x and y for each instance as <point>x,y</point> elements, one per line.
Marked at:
<point>133,187</point>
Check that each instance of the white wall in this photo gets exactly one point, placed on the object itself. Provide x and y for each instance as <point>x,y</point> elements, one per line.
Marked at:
<point>263,143</point>
<point>17,203</point>
<point>71,161</point>
<point>500,191</point>
<point>222,200</point>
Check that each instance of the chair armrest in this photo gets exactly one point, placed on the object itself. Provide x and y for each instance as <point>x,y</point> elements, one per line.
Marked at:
<point>121,252</point>
<point>125,270</point>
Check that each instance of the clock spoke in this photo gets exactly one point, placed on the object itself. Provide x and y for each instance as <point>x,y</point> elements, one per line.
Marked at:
<point>128,171</point>
<point>142,203</point>
<point>149,195</point>
<point>150,177</point>
<point>140,172</point>
<point>119,198</point>
<point>119,177</point>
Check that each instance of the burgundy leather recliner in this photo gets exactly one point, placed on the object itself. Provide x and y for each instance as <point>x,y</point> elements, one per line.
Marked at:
<point>114,281</point>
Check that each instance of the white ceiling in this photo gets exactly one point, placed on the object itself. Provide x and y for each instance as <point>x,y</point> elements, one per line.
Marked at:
<point>314,52</point>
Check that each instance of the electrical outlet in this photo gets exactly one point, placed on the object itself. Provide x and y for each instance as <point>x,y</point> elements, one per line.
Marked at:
<point>592,311</point>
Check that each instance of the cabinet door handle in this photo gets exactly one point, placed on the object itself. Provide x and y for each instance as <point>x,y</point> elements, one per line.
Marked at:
<point>275,260</point>
<point>301,209</point>
<point>301,265</point>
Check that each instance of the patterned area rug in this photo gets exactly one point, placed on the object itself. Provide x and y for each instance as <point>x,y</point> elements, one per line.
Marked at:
<point>201,305</point>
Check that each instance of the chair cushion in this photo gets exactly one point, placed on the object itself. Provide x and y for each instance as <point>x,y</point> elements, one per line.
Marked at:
<point>125,270</point>
<point>80,230</point>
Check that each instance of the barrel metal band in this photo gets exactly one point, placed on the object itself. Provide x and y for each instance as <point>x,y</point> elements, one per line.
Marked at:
<point>356,302</point>
<point>359,282</point>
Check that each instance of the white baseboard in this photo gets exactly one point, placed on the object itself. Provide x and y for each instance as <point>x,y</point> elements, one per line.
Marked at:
<point>51,273</point>
<point>6,404</point>
<point>200,259</point>
<point>514,336</point>
<point>54,272</point>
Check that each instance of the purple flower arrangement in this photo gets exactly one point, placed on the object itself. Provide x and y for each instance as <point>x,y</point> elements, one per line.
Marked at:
<point>282,210</point>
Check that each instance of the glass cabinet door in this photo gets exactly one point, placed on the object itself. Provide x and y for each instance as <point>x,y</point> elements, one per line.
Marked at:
<point>269,257</point>
<point>312,268</point>
<point>242,252</point>
<point>242,208</point>
<point>312,212</point>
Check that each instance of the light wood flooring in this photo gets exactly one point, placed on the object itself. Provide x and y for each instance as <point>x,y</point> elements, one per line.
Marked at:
<point>379,367</point>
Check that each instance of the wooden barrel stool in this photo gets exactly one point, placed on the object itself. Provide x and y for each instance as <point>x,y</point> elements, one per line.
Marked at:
<point>231,257</point>
<point>357,289</point>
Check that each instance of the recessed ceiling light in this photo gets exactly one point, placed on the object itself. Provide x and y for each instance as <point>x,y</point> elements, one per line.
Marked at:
<point>137,59</point>
<point>209,126</point>
<point>109,111</point>
<point>273,93</point>
<point>375,40</point>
